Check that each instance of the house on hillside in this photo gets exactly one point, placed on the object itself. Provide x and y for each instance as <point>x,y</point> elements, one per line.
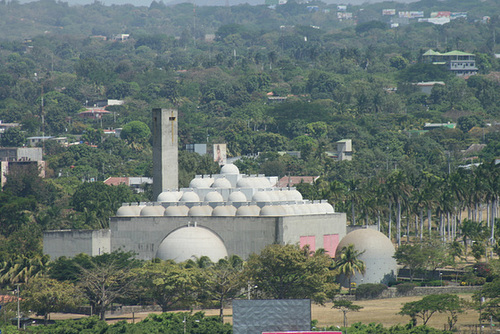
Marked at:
<point>458,62</point>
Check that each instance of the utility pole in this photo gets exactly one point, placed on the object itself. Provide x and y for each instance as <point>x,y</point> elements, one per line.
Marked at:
<point>18,308</point>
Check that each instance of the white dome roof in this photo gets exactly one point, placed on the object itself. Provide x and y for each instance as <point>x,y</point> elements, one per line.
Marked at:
<point>169,196</point>
<point>222,183</point>
<point>198,183</point>
<point>229,169</point>
<point>248,210</point>
<point>126,211</point>
<point>214,196</point>
<point>200,211</point>
<point>152,211</point>
<point>237,196</point>
<point>272,210</point>
<point>188,242</point>
<point>137,209</point>
<point>293,195</point>
<point>224,211</point>
<point>190,196</point>
<point>245,182</point>
<point>261,196</point>
<point>328,208</point>
<point>176,211</point>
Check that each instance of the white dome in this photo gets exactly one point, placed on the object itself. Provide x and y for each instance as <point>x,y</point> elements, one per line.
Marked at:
<point>198,183</point>
<point>245,182</point>
<point>189,242</point>
<point>263,182</point>
<point>224,211</point>
<point>288,210</point>
<point>200,211</point>
<point>176,211</point>
<point>214,196</point>
<point>126,211</point>
<point>137,209</point>
<point>222,183</point>
<point>294,195</point>
<point>229,169</point>
<point>273,196</point>
<point>328,208</point>
<point>152,211</point>
<point>168,196</point>
<point>378,251</point>
<point>261,196</point>
<point>237,196</point>
<point>190,196</point>
<point>248,210</point>
<point>272,210</point>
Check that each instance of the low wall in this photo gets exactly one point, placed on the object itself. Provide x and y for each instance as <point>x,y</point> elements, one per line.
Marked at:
<point>424,291</point>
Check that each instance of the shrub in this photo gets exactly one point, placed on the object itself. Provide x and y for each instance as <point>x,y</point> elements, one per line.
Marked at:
<point>404,288</point>
<point>369,290</point>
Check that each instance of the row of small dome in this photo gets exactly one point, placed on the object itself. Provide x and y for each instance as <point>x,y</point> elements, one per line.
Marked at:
<point>224,210</point>
<point>235,196</point>
<point>222,182</point>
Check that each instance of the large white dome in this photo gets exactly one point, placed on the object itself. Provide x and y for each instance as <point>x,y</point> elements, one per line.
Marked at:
<point>189,242</point>
<point>378,251</point>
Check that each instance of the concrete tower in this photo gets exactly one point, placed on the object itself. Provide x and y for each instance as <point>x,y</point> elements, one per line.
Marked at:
<point>165,151</point>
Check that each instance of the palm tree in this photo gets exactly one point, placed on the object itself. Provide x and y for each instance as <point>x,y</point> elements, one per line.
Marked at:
<point>399,189</point>
<point>349,263</point>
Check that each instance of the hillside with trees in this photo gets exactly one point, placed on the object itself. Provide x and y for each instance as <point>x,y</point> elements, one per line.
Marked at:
<point>221,67</point>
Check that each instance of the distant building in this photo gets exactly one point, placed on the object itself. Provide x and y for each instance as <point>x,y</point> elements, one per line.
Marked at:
<point>458,62</point>
<point>432,126</point>
<point>5,126</point>
<point>426,87</point>
<point>93,113</point>
<point>344,151</point>
<point>133,182</point>
<point>291,181</point>
<point>34,141</point>
<point>12,157</point>
<point>201,149</point>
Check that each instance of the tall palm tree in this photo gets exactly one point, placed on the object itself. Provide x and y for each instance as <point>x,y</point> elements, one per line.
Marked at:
<point>348,263</point>
<point>400,190</point>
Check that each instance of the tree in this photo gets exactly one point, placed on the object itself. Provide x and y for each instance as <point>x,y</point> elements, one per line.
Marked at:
<point>136,132</point>
<point>488,301</point>
<point>348,263</point>
<point>45,295</point>
<point>287,271</point>
<point>224,281</point>
<point>345,306</point>
<point>427,306</point>
<point>12,137</point>
<point>170,285</point>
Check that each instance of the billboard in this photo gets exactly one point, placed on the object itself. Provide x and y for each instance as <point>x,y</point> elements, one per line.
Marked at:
<point>388,11</point>
<point>220,155</point>
<point>440,14</point>
<point>341,8</point>
<point>415,14</point>
<point>273,316</point>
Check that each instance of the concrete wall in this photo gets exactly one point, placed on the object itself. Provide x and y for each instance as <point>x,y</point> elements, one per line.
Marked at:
<point>72,242</point>
<point>242,236</point>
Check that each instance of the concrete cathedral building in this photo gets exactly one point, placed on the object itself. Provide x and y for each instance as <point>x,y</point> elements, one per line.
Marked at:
<point>218,215</point>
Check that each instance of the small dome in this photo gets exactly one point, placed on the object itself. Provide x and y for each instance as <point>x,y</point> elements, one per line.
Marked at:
<point>176,211</point>
<point>214,196</point>
<point>224,211</point>
<point>190,196</point>
<point>263,182</point>
<point>168,197</point>
<point>328,208</point>
<point>293,195</point>
<point>237,196</point>
<point>126,211</point>
<point>248,211</point>
<point>152,211</point>
<point>229,169</point>
<point>200,211</point>
<point>261,196</point>
<point>245,182</point>
<point>188,242</point>
<point>288,210</point>
<point>222,183</point>
<point>198,183</point>
<point>137,209</point>
<point>377,255</point>
<point>272,210</point>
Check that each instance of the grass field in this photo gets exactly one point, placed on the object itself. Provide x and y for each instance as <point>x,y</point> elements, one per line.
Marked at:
<point>382,311</point>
